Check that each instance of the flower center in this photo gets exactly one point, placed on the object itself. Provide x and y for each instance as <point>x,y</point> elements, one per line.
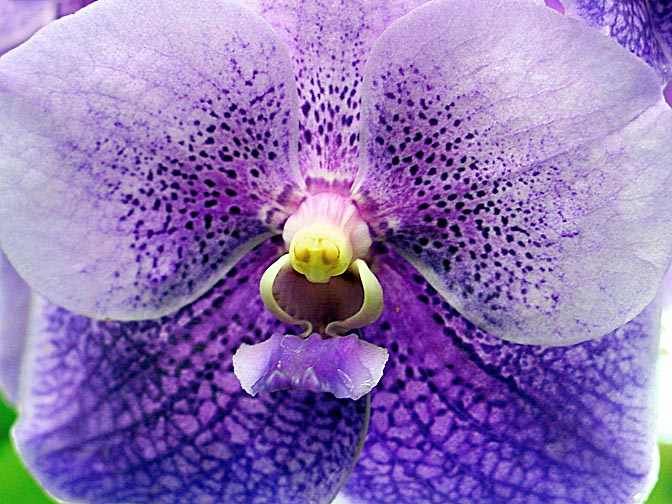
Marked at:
<point>320,252</point>
<point>323,284</point>
<point>325,235</point>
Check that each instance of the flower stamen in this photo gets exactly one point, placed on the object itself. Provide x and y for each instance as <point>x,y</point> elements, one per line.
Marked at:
<point>325,236</point>
<point>320,252</point>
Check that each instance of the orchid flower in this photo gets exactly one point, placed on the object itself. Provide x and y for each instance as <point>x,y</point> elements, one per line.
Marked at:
<point>19,19</point>
<point>399,193</point>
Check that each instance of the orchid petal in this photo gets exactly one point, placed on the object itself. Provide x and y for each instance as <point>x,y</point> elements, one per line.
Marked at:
<point>644,27</point>
<point>667,93</point>
<point>344,366</point>
<point>329,42</point>
<point>14,312</point>
<point>66,7</point>
<point>145,148</point>
<point>667,291</point>
<point>462,416</point>
<point>20,19</point>
<point>530,186</point>
<point>151,412</point>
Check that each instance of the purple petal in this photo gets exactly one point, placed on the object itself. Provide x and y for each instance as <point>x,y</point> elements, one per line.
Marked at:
<point>19,19</point>
<point>344,366</point>
<point>461,416</point>
<point>145,147</point>
<point>66,7</point>
<point>521,161</point>
<point>329,43</point>
<point>667,93</point>
<point>644,27</point>
<point>667,290</point>
<point>14,311</point>
<point>151,412</point>
<point>553,4</point>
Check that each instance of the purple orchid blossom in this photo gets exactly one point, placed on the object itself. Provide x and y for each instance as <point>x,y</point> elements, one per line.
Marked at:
<point>19,19</point>
<point>496,194</point>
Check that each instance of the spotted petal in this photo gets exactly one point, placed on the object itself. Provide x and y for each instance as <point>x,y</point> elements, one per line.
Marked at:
<point>461,416</point>
<point>14,312</point>
<point>521,161</point>
<point>329,42</point>
<point>151,412</point>
<point>144,147</point>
